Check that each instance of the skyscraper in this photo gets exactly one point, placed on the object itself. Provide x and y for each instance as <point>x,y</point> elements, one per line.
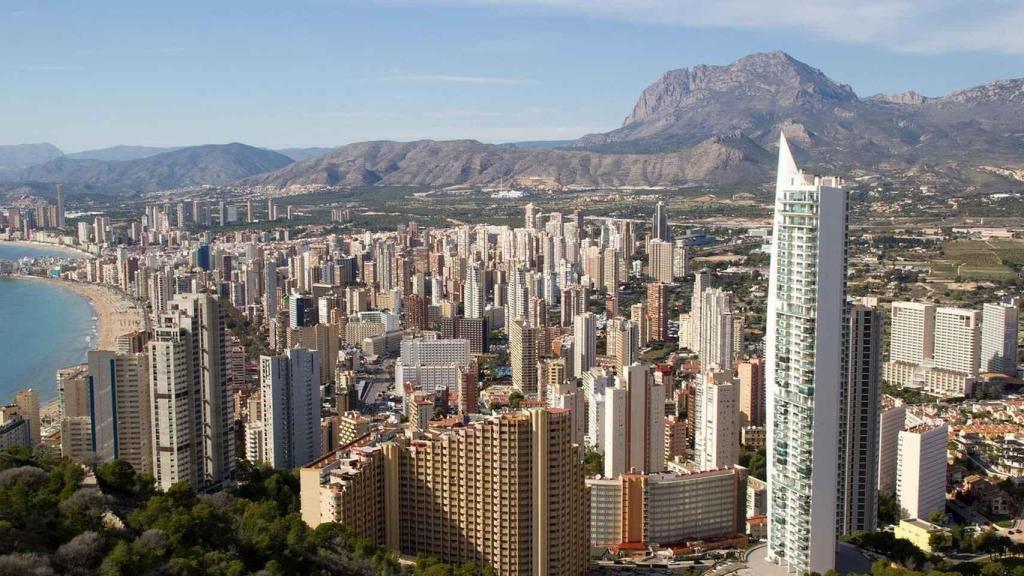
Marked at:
<point>999,337</point>
<point>860,397</point>
<point>522,351</point>
<point>119,408</point>
<point>716,330</point>
<point>701,282</point>
<point>659,227</point>
<point>193,416</point>
<point>662,261</point>
<point>803,364</point>
<point>584,348</point>
<point>473,293</point>
<point>657,309</point>
<point>634,423</point>
<point>921,470</point>
<point>716,421</point>
<point>290,393</point>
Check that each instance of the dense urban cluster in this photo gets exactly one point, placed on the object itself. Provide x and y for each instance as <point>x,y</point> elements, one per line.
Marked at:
<point>564,395</point>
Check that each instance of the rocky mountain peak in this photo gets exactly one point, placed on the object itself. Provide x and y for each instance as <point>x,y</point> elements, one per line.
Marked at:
<point>774,78</point>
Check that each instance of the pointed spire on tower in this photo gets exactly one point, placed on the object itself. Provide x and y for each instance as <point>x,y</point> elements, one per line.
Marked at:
<point>787,166</point>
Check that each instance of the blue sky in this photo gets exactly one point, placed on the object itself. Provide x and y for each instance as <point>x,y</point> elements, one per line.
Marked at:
<point>327,72</point>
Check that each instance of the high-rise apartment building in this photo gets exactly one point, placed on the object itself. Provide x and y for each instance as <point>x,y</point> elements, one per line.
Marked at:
<point>507,492</point>
<point>701,282</point>
<point>120,408</point>
<point>912,337</point>
<point>657,310</point>
<point>716,331</point>
<point>662,261</point>
<point>999,326</point>
<point>752,394</point>
<point>716,421</point>
<point>290,394</point>
<point>921,470</point>
<point>803,364</point>
<point>859,401</point>
<point>891,421</point>
<point>522,351</point>
<point>634,423</point>
<point>193,416</point>
<point>474,293</point>
<point>957,340</point>
<point>584,349</point>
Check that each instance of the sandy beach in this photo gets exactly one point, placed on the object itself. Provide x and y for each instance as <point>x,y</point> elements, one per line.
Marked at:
<point>116,314</point>
<point>69,250</point>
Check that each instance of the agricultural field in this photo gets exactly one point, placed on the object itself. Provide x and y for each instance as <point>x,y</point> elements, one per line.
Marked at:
<point>995,260</point>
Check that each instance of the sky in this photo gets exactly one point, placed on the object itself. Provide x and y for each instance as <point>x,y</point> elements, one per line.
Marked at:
<point>85,75</point>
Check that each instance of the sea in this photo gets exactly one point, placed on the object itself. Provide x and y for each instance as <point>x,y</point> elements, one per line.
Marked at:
<point>43,328</point>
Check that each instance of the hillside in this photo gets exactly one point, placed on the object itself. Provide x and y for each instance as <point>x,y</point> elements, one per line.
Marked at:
<point>19,156</point>
<point>213,164</point>
<point>428,162</point>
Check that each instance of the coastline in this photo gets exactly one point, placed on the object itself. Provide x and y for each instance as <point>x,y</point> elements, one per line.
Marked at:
<point>116,314</point>
<point>69,250</point>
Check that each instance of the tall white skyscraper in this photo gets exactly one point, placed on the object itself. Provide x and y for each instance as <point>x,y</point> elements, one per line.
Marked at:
<point>957,340</point>
<point>584,343</point>
<point>716,424</point>
<point>290,392</point>
<point>716,330</point>
<point>803,365</point>
<point>473,293</point>
<point>999,337</point>
<point>913,332</point>
<point>662,260</point>
<point>701,282</point>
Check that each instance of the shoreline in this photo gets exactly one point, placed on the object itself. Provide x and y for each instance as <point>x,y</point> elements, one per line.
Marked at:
<point>115,313</point>
<point>69,250</point>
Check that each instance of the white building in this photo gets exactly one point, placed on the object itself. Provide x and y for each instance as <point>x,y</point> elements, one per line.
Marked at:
<point>921,470</point>
<point>431,363</point>
<point>716,330</point>
<point>891,420</point>
<point>957,340</point>
<point>803,365</point>
<point>999,337</point>
<point>716,425</point>
<point>912,337</point>
<point>634,423</point>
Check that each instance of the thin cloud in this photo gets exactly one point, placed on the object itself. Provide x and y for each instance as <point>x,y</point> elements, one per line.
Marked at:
<point>457,79</point>
<point>47,67</point>
<point>925,26</point>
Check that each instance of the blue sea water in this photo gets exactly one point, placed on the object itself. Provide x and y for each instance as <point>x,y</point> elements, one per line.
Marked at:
<point>43,328</point>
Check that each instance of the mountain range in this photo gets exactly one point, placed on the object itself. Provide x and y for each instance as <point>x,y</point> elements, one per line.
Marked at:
<point>703,125</point>
<point>213,164</point>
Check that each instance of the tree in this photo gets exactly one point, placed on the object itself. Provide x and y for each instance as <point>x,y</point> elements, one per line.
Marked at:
<point>515,400</point>
<point>889,511</point>
<point>759,464</point>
